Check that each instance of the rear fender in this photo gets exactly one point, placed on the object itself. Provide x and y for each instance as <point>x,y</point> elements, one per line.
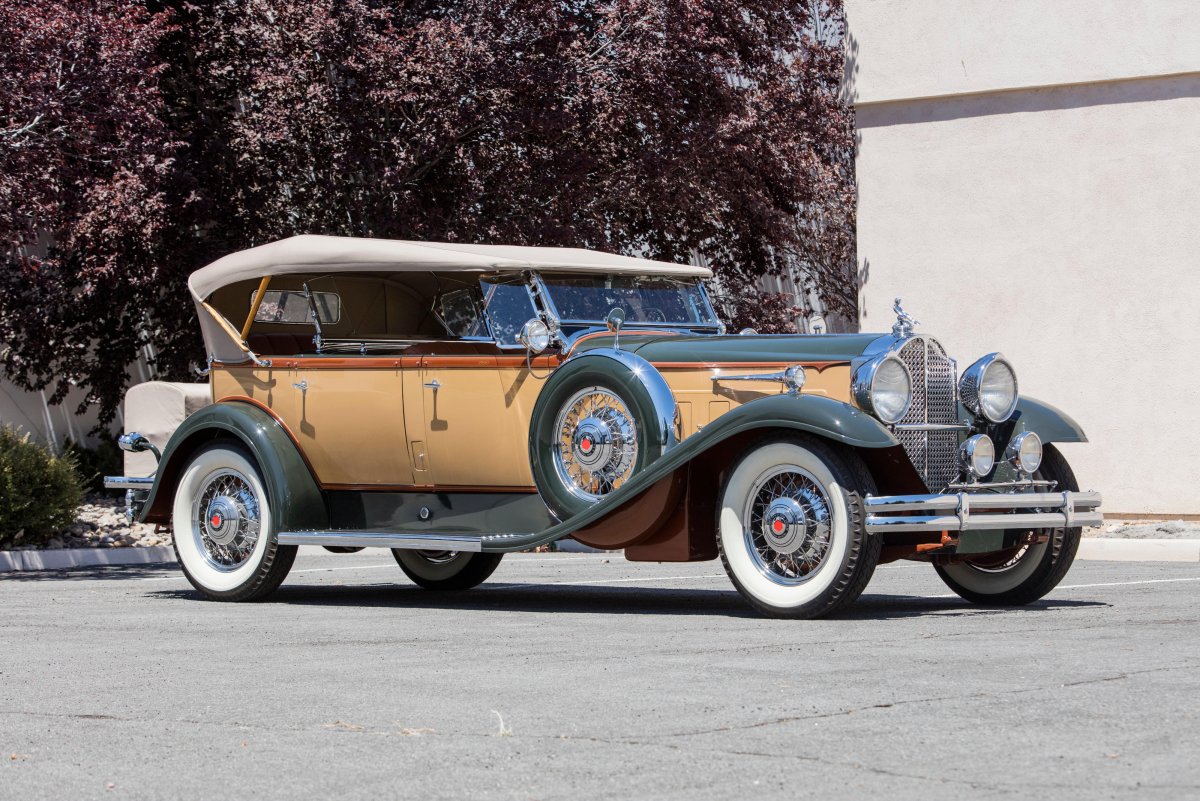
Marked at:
<point>296,500</point>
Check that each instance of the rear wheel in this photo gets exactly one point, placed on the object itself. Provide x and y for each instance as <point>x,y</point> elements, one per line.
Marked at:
<point>447,570</point>
<point>791,527</point>
<point>224,528</point>
<point>1021,575</point>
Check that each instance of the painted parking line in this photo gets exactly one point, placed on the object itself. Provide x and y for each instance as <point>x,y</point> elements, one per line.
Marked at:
<point>1103,584</point>
<point>393,564</point>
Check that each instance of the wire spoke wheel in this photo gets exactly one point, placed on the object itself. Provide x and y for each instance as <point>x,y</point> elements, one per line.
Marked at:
<point>787,524</point>
<point>596,444</point>
<point>1020,575</point>
<point>224,526</point>
<point>791,526</point>
<point>226,519</point>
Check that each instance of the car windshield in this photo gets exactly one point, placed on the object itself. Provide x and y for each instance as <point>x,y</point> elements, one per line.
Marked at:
<point>644,299</point>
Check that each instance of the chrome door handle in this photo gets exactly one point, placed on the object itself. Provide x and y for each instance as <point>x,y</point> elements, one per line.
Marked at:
<point>302,386</point>
<point>435,385</point>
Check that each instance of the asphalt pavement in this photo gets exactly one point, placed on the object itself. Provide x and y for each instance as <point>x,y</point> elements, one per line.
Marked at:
<point>577,676</point>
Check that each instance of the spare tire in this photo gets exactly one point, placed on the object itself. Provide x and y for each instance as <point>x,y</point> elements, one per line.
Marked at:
<point>601,418</point>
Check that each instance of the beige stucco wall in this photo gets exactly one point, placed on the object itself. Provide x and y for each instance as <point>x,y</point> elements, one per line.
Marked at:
<point>48,423</point>
<point>1057,224</point>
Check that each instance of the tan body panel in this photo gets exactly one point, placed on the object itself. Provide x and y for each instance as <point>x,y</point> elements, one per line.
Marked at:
<point>348,423</point>
<point>702,400</point>
<point>476,423</point>
<point>372,423</point>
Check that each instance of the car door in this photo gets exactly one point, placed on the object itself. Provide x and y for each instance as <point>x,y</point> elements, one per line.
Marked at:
<point>348,418</point>
<point>476,404</point>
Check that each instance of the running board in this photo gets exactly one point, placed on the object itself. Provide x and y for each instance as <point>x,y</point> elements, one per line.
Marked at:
<point>382,539</point>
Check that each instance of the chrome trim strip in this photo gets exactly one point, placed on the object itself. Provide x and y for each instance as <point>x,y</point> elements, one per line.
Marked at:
<point>791,377</point>
<point>128,482</point>
<point>383,539</point>
<point>932,427</point>
<point>961,511</point>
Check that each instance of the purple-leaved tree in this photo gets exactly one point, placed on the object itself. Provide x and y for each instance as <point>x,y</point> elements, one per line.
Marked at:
<point>664,128</point>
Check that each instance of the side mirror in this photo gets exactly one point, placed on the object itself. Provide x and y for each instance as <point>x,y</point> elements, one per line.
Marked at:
<point>614,321</point>
<point>535,336</point>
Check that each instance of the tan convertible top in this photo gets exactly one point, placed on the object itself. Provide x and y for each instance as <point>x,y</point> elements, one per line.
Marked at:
<point>338,254</point>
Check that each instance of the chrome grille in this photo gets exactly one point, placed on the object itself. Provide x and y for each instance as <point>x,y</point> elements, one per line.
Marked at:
<point>933,453</point>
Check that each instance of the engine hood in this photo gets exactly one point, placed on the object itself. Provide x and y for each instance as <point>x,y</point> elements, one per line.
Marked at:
<point>776,348</point>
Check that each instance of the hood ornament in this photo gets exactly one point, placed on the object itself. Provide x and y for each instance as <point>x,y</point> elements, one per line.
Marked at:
<point>904,321</point>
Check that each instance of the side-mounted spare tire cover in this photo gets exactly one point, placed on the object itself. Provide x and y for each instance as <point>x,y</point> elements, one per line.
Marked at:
<point>601,418</point>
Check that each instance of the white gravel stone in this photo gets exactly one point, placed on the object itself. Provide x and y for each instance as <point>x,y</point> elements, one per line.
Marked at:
<point>1146,530</point>
<point>100,523</point>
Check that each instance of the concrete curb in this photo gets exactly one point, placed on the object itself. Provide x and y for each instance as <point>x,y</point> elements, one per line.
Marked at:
<point>68,558</point>
<point>1148,550</point>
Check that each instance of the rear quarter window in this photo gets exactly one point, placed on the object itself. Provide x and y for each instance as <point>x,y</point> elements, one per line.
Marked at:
<point>291,307</point>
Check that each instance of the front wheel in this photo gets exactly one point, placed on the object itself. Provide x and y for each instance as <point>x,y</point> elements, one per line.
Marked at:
<point>223,525</point>
<point>1022,575</point>
<point>791,527</point>
<point>447,570</point>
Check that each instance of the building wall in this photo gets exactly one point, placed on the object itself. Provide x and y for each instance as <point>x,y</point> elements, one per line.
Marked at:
<point>1028,183</point>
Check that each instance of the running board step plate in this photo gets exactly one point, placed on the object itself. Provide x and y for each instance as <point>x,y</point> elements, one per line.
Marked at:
<point>383,539</point>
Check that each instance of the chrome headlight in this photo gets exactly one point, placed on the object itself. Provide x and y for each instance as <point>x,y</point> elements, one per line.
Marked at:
<point>978,455</point>
<point>1024,451</point>
<point>883,387</point>
<point>989,388</point>
<point>535,336</point>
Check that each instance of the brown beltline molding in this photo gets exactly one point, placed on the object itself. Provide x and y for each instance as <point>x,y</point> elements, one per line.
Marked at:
<point>818,366</point>
<point>398,362</point>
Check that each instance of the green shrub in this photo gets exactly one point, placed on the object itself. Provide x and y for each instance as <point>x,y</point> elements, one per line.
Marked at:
<point>93,464</point>
<point>39,492</point>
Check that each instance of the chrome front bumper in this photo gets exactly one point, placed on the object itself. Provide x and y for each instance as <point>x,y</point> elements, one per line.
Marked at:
<point>982,511</point>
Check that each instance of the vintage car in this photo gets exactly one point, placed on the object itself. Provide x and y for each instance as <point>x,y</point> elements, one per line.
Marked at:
<point>458,402</point>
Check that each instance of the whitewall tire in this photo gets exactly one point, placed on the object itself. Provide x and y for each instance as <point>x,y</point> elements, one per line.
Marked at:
<point>791,527</point>
<point>446,570</point>
<point>1025,574</point>
<point>224,527</point>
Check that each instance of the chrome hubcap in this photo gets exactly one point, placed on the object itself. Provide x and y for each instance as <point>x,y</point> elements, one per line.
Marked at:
<point>787,524</point>
<point>226,519</point>
<point>597,443</point>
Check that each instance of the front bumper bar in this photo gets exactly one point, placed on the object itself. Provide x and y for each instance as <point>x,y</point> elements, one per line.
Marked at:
<point>982,511</point>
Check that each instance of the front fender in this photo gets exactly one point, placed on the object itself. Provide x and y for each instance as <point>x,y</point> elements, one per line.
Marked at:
<point>296,501</point>
<point>1048,422</point>
<point>814,414</point>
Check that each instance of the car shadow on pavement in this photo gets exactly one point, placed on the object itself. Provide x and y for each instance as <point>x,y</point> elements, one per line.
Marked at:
<point>612,601</point>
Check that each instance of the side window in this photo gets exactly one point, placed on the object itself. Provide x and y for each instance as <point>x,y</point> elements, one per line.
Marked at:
<point>292,307</point>
<point>508,306</point>
<point>461,314</point>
